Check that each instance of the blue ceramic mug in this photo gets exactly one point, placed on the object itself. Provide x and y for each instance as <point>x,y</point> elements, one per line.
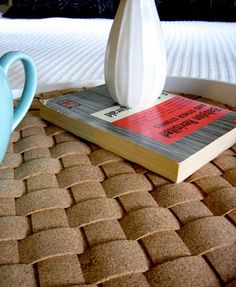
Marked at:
<point>10,117</point>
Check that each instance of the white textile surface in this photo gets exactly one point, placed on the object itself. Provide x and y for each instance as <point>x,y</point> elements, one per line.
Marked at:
<point>70,52</point>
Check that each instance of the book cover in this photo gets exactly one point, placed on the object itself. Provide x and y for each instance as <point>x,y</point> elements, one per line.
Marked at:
<point>174,137</point>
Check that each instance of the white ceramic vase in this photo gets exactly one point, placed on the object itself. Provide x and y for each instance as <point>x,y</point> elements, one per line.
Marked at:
<point>135,60</point>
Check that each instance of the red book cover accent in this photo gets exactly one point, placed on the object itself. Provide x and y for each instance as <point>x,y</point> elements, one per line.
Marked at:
<point>171,120</point>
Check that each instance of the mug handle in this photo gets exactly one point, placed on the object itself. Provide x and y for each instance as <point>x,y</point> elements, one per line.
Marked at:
<point>29,85</point>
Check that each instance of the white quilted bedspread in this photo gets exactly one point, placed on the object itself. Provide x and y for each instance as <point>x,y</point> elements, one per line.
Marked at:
<point>70,52</point>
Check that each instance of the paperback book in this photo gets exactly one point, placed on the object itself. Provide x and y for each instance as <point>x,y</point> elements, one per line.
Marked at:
<point>174,137</point>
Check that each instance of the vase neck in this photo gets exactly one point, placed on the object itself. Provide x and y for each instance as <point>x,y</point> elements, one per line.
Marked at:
<point>137,2</point>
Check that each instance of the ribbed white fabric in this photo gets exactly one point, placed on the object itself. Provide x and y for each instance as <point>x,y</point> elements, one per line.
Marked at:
<point>70,52</point>
<point>67,52</point>
<point>201,50</point>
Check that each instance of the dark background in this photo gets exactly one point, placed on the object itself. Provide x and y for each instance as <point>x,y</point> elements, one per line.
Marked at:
<point>205,10</point>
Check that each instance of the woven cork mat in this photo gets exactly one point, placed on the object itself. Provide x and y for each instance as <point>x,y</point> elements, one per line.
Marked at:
<point>73,214</point>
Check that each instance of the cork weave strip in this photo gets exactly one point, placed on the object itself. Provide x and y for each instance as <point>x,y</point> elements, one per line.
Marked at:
<point>74,214</point>
<point>32,142</point>
<point>11,160</point>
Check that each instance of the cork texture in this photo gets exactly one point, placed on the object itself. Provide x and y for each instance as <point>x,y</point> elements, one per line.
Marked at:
<point>74,214</point>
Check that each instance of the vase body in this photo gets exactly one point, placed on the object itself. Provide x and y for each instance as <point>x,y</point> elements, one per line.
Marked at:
<point>135,60</point>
